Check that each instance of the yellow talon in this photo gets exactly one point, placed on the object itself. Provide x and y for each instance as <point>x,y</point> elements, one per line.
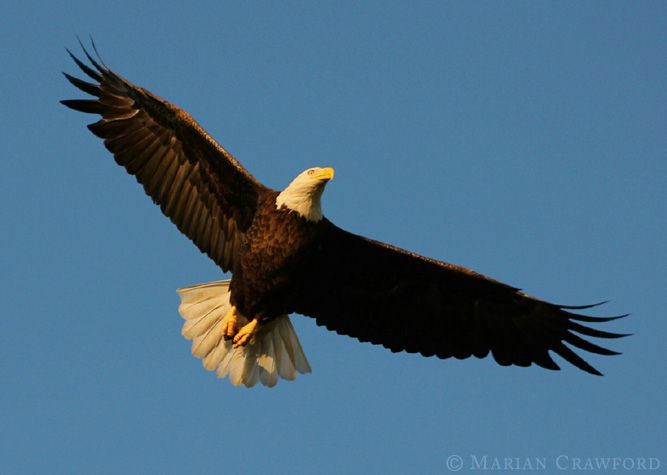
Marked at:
<point>245,334</point>
<point>230,324</point>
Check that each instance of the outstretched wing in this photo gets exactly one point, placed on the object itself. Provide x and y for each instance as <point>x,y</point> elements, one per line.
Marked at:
<point>205,192</point>
<point>405,302</point>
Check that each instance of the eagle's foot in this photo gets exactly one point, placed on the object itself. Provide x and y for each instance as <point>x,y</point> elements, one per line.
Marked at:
<point>245,334</point>
<point>230,324</point>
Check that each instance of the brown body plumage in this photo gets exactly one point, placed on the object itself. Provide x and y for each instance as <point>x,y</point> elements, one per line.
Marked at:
<point>278,248</point>
<point>286,257</point>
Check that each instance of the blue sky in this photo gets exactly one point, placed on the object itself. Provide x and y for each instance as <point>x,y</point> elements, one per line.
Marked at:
<point>525,140</point>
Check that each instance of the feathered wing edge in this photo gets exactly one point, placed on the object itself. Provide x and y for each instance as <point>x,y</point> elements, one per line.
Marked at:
<point>557,329</point>
<point>274,353</point>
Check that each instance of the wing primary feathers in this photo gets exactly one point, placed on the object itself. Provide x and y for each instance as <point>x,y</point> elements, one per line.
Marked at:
<point>588,331</point>
<point>101,69</point>
<point>579,342</point>
<point>584,318</point>
<point>574,359</point>
<point>90,72</point>
<point>92,42</point>
<point>581,307</point>
<point>87,87</point>
<point>84,105</point>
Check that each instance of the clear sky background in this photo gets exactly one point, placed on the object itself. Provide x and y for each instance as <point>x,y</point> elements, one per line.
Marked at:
<point>525,140</point>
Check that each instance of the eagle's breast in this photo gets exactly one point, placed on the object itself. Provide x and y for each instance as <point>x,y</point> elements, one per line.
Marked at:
<point>279,245</point>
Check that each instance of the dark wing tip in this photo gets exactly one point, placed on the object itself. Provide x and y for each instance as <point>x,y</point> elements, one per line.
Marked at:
<point>85,68</point>
<point>100,67</point>
<point>564,335</point>
<point>84,105</point>
<point>588,331</point>
<point>585,318</point>
<point>581,307</point>
<point>89,88</point>
<point>578,342</point>
<point>99,57</point>
<point>571,357</point>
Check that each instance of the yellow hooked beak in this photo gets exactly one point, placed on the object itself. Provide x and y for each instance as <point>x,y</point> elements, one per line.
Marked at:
<point>325,174</point>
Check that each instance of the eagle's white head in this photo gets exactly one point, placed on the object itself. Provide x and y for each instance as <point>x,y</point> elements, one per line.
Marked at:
<point>304,193</point>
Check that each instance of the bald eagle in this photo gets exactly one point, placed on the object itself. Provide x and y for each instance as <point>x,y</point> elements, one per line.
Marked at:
<point>286,257</point>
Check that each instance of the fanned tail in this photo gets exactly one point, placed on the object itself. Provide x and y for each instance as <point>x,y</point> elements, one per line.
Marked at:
<point>274,353</point>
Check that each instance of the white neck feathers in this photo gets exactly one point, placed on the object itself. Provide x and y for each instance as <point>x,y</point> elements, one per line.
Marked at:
<point>303,200</point>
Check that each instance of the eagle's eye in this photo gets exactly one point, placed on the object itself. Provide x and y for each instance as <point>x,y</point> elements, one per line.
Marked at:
<point>310,172</point>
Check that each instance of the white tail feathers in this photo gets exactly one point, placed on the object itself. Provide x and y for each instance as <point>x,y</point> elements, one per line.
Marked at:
<point>274,352</point>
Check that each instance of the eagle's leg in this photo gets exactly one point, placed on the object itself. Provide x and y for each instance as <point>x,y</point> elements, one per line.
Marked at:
<point>246,333</point>
<point>230,324</point>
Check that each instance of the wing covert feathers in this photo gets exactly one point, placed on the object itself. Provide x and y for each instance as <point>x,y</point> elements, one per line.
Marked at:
<point>205,192</point>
